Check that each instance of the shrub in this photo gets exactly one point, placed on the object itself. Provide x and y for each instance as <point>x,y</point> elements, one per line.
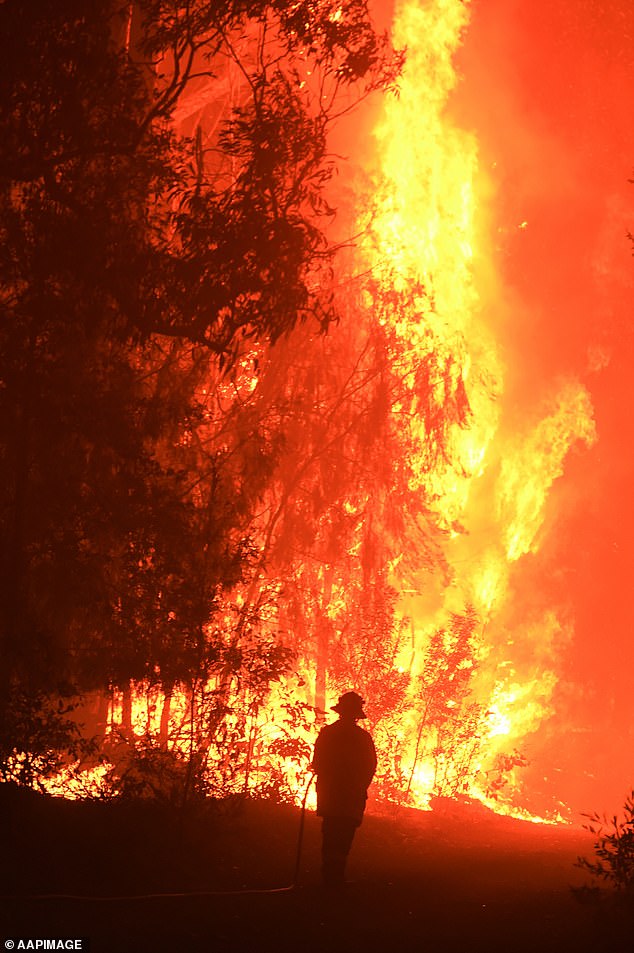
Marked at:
<point>614,850</point>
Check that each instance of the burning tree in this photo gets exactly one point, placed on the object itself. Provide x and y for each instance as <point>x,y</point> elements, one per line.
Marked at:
<point>216,517</point>
<point>141,268</point>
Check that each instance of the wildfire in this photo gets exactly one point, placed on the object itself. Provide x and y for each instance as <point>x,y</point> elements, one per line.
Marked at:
<point>475,691</point>
<point>429,229</point>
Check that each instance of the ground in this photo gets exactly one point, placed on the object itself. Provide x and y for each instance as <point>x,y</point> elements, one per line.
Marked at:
<point>453,880</point>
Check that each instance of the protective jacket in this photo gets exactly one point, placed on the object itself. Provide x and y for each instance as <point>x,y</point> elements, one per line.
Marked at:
<point>344,762</point>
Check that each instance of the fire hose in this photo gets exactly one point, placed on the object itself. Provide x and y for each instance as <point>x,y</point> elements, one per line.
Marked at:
<point>190,893</point>
<point>300,836</point>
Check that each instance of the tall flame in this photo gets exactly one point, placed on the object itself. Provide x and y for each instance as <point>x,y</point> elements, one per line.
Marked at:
<point>429,238</point>
<point>430,229</point>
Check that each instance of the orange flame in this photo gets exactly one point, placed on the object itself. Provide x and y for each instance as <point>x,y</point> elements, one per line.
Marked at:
<point>430,230</point>
<point>430,227</point>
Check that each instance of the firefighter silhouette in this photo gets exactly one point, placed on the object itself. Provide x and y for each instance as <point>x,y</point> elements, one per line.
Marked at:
<point>344,761</point>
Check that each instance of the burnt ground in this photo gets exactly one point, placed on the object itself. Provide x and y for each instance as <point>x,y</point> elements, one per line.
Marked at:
<point>455,880</point>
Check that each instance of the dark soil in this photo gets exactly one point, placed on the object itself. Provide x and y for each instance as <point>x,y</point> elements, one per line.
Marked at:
<point>455,880</point>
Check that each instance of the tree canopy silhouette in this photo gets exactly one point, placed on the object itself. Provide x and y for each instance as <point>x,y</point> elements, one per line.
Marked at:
<point>134,259</point>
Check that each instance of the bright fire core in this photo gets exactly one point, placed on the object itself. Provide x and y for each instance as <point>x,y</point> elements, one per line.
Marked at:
<point>430,230</point>
<point>476,676</point>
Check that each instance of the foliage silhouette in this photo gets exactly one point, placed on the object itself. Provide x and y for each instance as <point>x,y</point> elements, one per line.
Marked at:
<point>192,482</point>
<point>136,262</point>
<point>613,864</point>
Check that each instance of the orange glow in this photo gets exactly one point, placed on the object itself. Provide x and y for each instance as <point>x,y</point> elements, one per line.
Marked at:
<point>480,676</point>
<point>429,228</point>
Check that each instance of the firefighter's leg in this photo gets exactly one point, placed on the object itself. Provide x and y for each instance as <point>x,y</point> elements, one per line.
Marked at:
<point>338,834</point>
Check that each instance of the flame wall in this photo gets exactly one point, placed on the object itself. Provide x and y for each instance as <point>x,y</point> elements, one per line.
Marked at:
<point>500,179</point>
<point>542,108</point>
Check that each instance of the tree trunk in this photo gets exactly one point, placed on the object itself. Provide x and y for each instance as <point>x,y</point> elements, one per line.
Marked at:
<point>166,712</point>
<point>126,712</point>
<point>323,626</point>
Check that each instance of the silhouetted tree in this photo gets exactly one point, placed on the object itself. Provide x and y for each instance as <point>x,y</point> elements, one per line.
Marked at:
<point>133,263</point>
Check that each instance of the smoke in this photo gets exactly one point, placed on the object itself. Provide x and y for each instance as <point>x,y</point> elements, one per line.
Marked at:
<point>546,89</point>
